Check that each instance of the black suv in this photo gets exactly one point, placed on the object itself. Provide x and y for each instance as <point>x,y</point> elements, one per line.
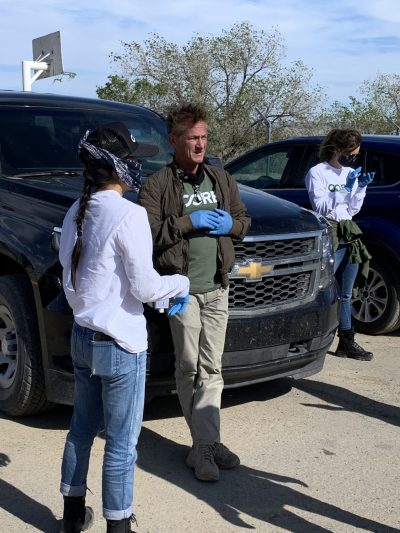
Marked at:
<point>279,168</point>
<point>283,307</point>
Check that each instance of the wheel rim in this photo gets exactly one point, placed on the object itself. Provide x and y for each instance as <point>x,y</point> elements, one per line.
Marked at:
<point>372,299</point>
<point>8,348</point>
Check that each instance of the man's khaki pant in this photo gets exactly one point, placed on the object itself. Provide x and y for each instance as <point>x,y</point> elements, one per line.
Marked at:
<point>199,338</point>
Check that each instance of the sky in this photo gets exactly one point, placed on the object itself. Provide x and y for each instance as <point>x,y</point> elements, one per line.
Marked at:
<point>344,42</point>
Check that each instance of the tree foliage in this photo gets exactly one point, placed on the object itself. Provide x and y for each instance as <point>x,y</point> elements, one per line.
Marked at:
<point>364,116</point>
<point>240,76</point>
<point>251,93</point>
<point>379,112</point>
<point>117,88</point>
<point>383,93</point>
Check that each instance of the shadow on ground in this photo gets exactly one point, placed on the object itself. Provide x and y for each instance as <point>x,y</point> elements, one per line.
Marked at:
<point>33,513</point>
<point>347,400</point>
<point>242,495</point>
<point>168,406</point>
<point>264,496</point>
<point>28,510</point>
<point>162,407</point>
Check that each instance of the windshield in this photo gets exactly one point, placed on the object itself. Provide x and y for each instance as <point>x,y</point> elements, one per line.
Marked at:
<point>34,140</point>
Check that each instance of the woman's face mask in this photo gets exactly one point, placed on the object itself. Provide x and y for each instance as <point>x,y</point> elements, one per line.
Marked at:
<point>347,160</point>
<point>129,171</point>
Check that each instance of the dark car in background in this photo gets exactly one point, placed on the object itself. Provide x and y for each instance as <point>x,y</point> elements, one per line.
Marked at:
<point>279,168</point>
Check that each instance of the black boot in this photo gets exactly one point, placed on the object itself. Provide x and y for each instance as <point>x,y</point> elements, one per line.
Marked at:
<point>348,347</point>
<point>121,526</point>
<point>76,517</point>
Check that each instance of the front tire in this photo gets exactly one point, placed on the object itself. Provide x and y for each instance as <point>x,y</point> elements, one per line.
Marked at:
<point>22,387</point>
<point>376,310</point>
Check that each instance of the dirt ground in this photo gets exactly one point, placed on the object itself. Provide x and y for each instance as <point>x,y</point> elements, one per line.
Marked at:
<point>317,455</point>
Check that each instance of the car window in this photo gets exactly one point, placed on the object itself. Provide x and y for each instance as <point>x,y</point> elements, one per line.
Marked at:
<point>302,159</point>
<point>385,165</point>
<point>262,170</point>
<point>311,158</point>
<point>38,139</point>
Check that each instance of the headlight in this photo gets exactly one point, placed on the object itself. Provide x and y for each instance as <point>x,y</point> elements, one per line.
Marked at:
<point>327,260</point>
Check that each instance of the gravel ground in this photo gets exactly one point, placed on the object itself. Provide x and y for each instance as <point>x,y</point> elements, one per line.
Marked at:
<point>317,455</point>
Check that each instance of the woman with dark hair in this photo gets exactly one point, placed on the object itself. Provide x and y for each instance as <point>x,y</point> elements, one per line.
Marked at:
<point>337,191</point>
<point>106,254</point>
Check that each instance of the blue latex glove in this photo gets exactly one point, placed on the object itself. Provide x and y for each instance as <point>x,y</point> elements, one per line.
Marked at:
<point>204,219</point>
<point>225,223</point>
<point>179,305</point>
<point>366,179</point>
<point>351,178</point>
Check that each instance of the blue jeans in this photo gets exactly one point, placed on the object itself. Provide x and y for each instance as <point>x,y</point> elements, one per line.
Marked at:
<point>109,395</point>
<point>346,274</point>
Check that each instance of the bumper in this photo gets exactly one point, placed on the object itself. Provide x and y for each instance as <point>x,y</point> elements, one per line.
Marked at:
<point>257,348</point>
<point>262,348</point>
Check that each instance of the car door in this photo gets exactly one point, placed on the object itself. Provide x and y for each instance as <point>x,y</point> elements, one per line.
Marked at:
<point>382,198</point>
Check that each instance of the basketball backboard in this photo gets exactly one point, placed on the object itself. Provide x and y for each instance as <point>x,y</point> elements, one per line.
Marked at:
<point>48,49</point>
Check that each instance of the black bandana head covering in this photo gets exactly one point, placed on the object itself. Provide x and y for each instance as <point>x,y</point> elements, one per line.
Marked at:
<point>109,146</point>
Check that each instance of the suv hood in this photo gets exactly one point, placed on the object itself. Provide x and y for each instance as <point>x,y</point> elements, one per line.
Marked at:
<point>56,189</point>
<point>271,215</point>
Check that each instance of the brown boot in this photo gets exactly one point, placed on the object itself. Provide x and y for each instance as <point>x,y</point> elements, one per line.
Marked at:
<point>348,347</point>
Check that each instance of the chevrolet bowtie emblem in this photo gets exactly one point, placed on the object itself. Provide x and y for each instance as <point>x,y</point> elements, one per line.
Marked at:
<point>251,269</point>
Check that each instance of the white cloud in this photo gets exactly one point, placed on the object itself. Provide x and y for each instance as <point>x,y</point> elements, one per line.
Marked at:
<point>344,42</point>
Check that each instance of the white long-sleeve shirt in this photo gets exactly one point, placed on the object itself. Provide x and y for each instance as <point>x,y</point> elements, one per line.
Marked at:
<point>115,272</point>
<point>338,204</point>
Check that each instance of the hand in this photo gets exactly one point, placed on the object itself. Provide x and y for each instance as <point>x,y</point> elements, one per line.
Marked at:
<point>351,178</point>
<point>366,179</point>
<point>179,305</point>
<point>204,219</point>
<point>225,223</point>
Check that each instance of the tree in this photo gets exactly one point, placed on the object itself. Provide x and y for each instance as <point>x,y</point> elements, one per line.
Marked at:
<point>364,116</point>
<point>237,76</point>
<point>117,88</point>
<point>384,93</point>
<point>379,112</point>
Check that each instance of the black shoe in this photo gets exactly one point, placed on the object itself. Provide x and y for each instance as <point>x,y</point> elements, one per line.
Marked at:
<point>76,516</point>
<point>121,526</point>
<point>348,347</point>
<point>224,458</point>
<point>201,459</point>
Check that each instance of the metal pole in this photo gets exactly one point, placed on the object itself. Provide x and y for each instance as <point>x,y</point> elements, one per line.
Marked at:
<point>265,120</point>
<point>27,66</point>
<point>268,123</point>
<point>394,124</point>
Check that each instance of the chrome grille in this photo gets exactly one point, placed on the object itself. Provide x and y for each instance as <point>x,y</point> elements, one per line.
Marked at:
<point>295,263</point>
<point>276,290</point>
<point>275,248</point>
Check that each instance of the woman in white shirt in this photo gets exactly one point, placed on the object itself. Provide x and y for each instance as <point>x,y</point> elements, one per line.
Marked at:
<point>337,191</point>
<point>106,254</point>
